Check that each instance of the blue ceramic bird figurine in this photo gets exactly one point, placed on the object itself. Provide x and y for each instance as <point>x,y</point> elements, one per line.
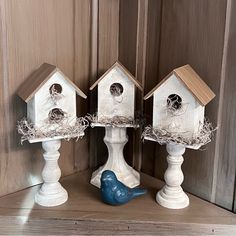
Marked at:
<point>114,192</point>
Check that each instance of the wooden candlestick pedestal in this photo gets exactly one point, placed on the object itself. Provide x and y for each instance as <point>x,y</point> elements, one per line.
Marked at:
<point>51,192</point>
<point>115,140</point>
<point>172,195</point>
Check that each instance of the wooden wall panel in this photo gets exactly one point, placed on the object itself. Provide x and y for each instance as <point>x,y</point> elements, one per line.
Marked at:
<point>33,32</point>
<point>141,49</point>
<point>225,172</point>
<point>151,77</point>
<point>128,34</point>
<point>93,77</point>
<point>193,32</point>
<point>138,51</point>
<point>108,34</point>
<point>127,56</point>
<point>4,124</point>
<point>82,53</point>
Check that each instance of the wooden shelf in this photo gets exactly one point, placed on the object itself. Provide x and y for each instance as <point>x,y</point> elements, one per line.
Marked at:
<point>84,213</point>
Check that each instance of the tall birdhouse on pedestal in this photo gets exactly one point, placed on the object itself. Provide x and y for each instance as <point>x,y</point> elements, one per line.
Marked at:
<point>178,121</point>
<point>179,102</point>
<point>116,93</point>
<point>50,98</point>
<point>116,112</point>
<point>51,116</point>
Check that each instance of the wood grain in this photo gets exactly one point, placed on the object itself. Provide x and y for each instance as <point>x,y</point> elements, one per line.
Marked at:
<point>193,33</point>
<point>127,56</point>
<point>128,34</point>
<point>195,84</point>
<point>32,32</point>
<point>93,77</point>
<point>223,194</point>
<point>151,77</point>
<point>141,49</point>
<point>38,78</point>
<point>82,73</point>
<point>108,34</point>
<point>85,213</point>
<point>4,120</point>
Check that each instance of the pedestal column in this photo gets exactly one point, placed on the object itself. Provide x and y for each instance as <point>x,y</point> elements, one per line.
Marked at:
<point>51,192</point>
<point>115,140</point>
<point>172,195</point>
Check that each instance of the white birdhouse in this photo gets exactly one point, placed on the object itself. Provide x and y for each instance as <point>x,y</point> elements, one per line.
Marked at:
<point>116,93</point>
<point>179,102</point>
<point>50,97</point>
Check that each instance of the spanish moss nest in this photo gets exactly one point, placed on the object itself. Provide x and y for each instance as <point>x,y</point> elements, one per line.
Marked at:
<point>115,121</point>
<point>162,136</point>
<point>29,132</point>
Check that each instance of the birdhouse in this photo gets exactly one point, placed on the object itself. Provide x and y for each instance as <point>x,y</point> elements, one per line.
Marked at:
<point>50,97</point>
<point>116,93</point>
<point>179,102</point>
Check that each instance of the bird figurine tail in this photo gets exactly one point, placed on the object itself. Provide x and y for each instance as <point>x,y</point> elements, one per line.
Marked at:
<point>139,191</point>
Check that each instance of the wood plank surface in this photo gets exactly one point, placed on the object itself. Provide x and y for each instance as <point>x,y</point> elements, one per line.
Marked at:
<point>192,32</point>
<point>224,191</point>
<point>93,77</point>
<point>84,213</point>
<point>127,56</point>
<point>151,77</point>
<point>108,34</point>
<point>82,73</point>
<point>141,51</point>
<point>32,32</point>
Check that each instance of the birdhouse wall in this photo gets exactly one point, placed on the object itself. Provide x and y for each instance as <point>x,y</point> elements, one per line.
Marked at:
<point>110,105</point>
<point>186,119</point>
<point>31,110</point>
<point>42,102</point>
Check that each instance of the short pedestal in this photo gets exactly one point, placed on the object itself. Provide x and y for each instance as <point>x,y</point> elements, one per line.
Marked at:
<point>115,140</point>
<point>51,192</point>
<point>172,195</point>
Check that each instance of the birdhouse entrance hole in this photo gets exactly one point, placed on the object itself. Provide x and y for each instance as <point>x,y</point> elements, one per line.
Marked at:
<point>56,115</point>
<point>55,88</point>
<point>174,102</point>
<point>116,89</point>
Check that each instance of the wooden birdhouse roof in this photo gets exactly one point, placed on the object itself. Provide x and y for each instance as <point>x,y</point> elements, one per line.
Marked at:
<point>35,81</point>
<point>193,83</point>
<point>124,70</point>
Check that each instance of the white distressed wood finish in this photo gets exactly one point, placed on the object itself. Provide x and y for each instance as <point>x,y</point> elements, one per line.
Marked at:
<point>41,103</point>
<point>65,137</point>
<point>190,117</point>
<point>115,140</point>
<point>194,147</point>
<point>172,195</point>
<point>109,105</point>
<point>51,192</point>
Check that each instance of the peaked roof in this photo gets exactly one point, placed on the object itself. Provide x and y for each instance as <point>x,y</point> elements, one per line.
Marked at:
<point>122,68</point>
<point>192,81</point>
<point>39,78</point>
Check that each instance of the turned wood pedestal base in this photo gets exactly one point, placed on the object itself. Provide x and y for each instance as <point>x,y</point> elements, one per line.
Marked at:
<point>51,192</point>
<point>172,195</point>
<point>115,140</point>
